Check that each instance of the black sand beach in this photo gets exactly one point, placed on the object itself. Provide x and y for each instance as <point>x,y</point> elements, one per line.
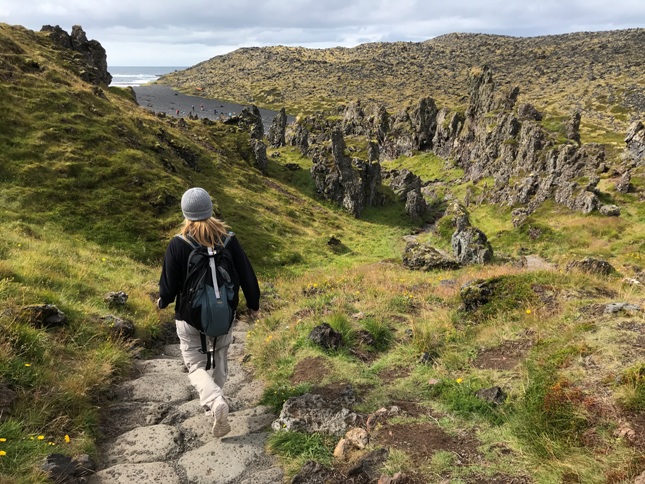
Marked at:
<point>164,99</point>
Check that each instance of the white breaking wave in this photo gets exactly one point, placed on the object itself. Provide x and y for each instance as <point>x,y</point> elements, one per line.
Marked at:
<point>123,76</point>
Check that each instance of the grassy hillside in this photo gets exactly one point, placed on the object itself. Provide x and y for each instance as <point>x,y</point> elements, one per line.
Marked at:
<point>597,73</point>
<point>89,195</point>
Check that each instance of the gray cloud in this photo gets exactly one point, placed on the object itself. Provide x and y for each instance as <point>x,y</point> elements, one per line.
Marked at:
<point>170,32</point>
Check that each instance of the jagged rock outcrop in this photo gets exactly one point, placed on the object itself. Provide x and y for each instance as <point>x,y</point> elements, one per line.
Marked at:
<point>260,154</point>
<point>624,184</point>
<point>470,246</point>
<point>277,130</point>
<point>351,183</point>
<point>402,182</point>
<point>407,187</point>
<point>298,135</point>
<point>354,119</point>
<point>635,143</point>
<point>576,198</point>
<point>449,125</point>
<point>92,51</point>
<point>415,205</point>
<point>411,130</point>
<point>526,112</point>
<point>459,215</point>
<point>251,119</point>
<point>372,122</point>
<point>572,127</point>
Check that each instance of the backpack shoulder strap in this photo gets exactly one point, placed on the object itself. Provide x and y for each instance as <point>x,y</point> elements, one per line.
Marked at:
<point>227,239</point>
<point>188,240</point>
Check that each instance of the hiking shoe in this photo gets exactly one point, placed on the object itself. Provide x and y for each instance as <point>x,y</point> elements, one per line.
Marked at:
<point>221,427</point>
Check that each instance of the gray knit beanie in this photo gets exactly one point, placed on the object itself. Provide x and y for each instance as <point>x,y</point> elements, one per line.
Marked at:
<point>196,204</point>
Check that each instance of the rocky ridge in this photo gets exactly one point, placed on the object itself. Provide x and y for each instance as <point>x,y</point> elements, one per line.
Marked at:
<point>596,73</point>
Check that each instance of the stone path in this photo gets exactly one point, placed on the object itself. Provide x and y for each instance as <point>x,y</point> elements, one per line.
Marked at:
<point>158,432</point>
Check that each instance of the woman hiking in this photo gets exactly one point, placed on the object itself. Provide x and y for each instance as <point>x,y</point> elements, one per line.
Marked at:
<point>200,227</point>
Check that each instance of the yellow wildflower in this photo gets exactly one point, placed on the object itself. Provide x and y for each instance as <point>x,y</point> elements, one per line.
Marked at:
<point>41,437</point>
<point>2,439</point>
<point>27,364</point>
<point>103,259</point>
<point>2,452</point>
<point>67,439</point>
<point>459,380</point>
<point>528,311</point>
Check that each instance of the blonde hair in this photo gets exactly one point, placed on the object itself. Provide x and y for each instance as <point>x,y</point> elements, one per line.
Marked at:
<point>209,232</point>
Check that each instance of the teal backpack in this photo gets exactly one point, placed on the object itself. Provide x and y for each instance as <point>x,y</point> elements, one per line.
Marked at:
<point>209,291</point>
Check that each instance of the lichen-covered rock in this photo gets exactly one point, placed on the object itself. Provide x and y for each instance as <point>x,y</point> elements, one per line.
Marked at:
<point>470,246</point>
<point>424,257</point>
<point>494,395</point>
<point>62,469</point>
<point>326,336</point>
<point>591,265</point>
<point>610,210</point>
<point>477,292</point>
<point>368,466</point>
<point>458,213</point>
<point>43,316</point>
<point>119,327</point>
<point>311,413</point>
<point>118,298</point>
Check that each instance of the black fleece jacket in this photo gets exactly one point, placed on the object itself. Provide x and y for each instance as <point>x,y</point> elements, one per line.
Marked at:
<point>174,272</point>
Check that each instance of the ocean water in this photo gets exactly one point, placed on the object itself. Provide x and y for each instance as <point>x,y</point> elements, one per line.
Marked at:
<point>123,76</point>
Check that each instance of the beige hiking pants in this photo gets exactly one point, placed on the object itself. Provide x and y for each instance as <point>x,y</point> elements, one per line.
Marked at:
<point>209,383</point>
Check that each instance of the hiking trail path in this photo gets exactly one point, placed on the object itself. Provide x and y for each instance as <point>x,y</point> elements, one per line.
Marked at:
<point>156,431</point>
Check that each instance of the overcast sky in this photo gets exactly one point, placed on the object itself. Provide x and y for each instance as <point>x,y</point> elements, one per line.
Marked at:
<point>186,32</point>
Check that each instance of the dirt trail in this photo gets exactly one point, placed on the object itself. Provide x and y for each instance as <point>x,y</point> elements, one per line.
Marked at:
<point>158,432</point>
